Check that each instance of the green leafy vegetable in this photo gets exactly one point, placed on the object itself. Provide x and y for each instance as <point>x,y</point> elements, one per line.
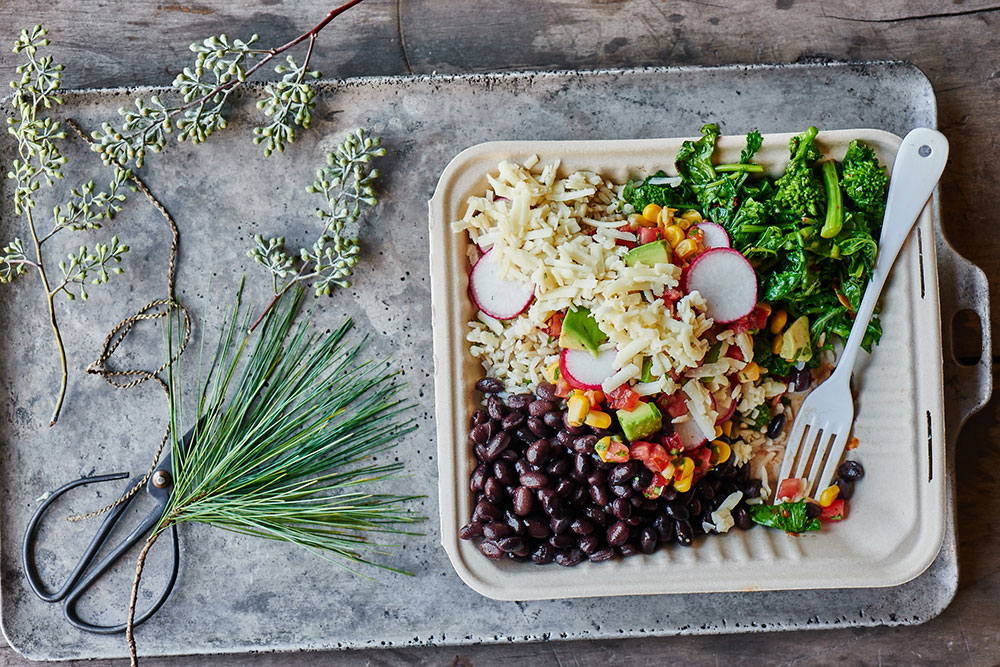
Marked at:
<point>799,191</point>
<point>789,517</point>
<point>654,191</point>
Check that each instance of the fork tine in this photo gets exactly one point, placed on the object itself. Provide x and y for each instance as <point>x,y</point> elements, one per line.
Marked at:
<point>833,460</point>
<point>793,447</point>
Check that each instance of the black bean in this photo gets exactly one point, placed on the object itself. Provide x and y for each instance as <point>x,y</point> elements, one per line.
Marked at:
<point>496,445</point>
<point>538,452</point>
<point>546,391</point>
<point>553,419</point>
<point>741,515</point>
<point>565,488</point>
<point>575,430</point>
<point>706,491</point>
<point>495,408</point>
<point>564,438</point>
<point>509,455</point>
<point>585,444</point>
<point>523,501</point>
<point>803,379</point>
<point>559,467</point>
<point>589,544</point>
<point>514,521</point>
<point>534,480</point>
<point>538,427</point>
<point>540,407</point>
<point>751,489</point>
<point>555,508</point>
<point>522,467</point>
<point>618,533</point>
<point>543,555</point>
<point>559,525</point>
<point>478,478</point>
<point>642,478</point>
<point>813,510</point>
<point>676,511</point>
<point>569,557</point>
<point>503,472</point>
<point>487,511</point>
<point>470,530</point>
<point>511,543</point>
<point>846,488</point>
<point>622,491</point>
<point>490,549</point>
<point>524,434</point>
<point>511,420</point>
<point>627,549</point>
<point>536,528</point>
<point>595,514</point>
<point>489,385</point>
<point>635,501</point>
<point>522,553</point>
<point>776,426</point>
<point>519,401</point>
<point>851,471</point>
<point>622,473</point>
<point>563,540</point>
<point>683,533</point>
<point>582,526</point>
<point>648,505</point>
<point>480,452</point>
<point>600,494</point>
<point>621,508</point>
<point>694,507</point>
<point>581,465</point>
<point>481,433</point>
<point>579,495</point>
<point>664,527</point>
<point>597,477</point>
<point>602,555</point>
<point>497,530</point>
<point>669,493</point>
<point>494,490</point>
<point>479,417</point>
<point>647,540</point>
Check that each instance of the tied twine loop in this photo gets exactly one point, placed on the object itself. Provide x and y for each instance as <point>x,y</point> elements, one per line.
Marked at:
<point>127,378</point>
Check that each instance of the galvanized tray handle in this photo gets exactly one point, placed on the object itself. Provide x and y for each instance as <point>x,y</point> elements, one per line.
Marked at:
<point>963,286</point>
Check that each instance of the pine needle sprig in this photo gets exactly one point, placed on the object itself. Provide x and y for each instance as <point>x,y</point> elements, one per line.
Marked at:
<point>284,429</point>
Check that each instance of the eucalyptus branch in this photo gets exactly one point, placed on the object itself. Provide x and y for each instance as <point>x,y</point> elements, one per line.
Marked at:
<point>221,66</point>
<point>39,161</point>
<point>346,182</point>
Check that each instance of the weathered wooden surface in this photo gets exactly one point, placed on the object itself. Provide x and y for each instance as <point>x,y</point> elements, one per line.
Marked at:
<point>116,43</point>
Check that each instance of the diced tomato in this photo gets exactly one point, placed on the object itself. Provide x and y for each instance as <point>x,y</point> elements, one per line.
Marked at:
<point>623,398</point>
<point>835,512</point>
<point>674,404</point>
<point>672,442</point>
<point>752,322</point>
<point>648,235</point>
<point>656,487</point>
<point>672,295</point>
<point>595,396</point>
<point>789,489</point>
<point>734,352</point>
<point>659,459</point>
<point>702,457</point>
<point>617,452</point>
<point>640,450</point>
<point>563,388</point>
<point>627,244</point>
<point>697,234</point>
<point>554,326</point>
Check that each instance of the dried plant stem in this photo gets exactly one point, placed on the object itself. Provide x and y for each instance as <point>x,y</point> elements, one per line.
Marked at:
<point>130,625</point>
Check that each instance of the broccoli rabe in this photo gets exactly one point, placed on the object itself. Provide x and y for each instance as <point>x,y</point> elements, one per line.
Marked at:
<point>799,191</point>
<point>864,181</point>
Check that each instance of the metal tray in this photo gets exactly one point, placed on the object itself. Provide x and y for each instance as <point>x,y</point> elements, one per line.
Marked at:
<point>239,594</point>
<point>897,516</point>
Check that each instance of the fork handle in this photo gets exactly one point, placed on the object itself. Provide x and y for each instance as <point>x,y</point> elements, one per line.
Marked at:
<point>918,166</point>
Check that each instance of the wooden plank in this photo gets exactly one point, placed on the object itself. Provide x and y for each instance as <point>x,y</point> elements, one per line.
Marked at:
<point>117,42</point>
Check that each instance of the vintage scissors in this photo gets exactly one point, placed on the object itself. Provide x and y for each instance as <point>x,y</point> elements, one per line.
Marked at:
<point>84,576</point>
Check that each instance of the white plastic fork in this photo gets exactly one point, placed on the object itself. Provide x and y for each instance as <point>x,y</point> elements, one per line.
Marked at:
<point>823,422</point>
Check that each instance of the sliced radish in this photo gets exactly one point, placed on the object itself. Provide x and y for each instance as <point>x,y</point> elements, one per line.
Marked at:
<point>725,406</point>
<point>583,370</point>
<point>726,281</point>
<point>715,235</point>
<point>497,297</point>
<point>690,434</point>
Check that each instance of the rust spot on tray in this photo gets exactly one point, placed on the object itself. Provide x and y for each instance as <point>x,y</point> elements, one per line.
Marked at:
<point>187,9</point>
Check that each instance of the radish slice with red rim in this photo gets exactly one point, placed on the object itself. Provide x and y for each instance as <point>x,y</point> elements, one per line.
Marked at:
<point>583,370</point>
<point>727,282</point>
<point>690,434</point>
<point>715,236</point>
<point>497,297</point>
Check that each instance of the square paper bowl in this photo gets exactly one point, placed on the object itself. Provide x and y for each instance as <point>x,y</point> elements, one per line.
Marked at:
<point>897,514</point>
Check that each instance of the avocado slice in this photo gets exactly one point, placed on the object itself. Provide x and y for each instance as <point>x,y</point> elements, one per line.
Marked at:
<point>580,331</point>
<point>650,254</point>
<point>795,343</point>
<point>644,420</point>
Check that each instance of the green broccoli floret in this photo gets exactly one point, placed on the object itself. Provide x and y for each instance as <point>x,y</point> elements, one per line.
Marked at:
<point>799,191</point>
<point>864,180</point>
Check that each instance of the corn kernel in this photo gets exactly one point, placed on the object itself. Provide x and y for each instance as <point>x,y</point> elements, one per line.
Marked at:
<point>687,248</point>
<point>674,235</point>
<point>828,495</point>
<point>683,223</point>
<point>686,474</point>
<point>651,212</point>
<point>727,428</point>
<point>750,372</point>
<point>766,307</point>
<point>692,216</point>
<point>722,451</point>
<point>635,221</point>
<point>597,419</point>
<point>577,407</point>
<point>551,372</point>
<point>718,431</point>
<point>776,345</point>
<point>666,217</point>
<point>779,319</point>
